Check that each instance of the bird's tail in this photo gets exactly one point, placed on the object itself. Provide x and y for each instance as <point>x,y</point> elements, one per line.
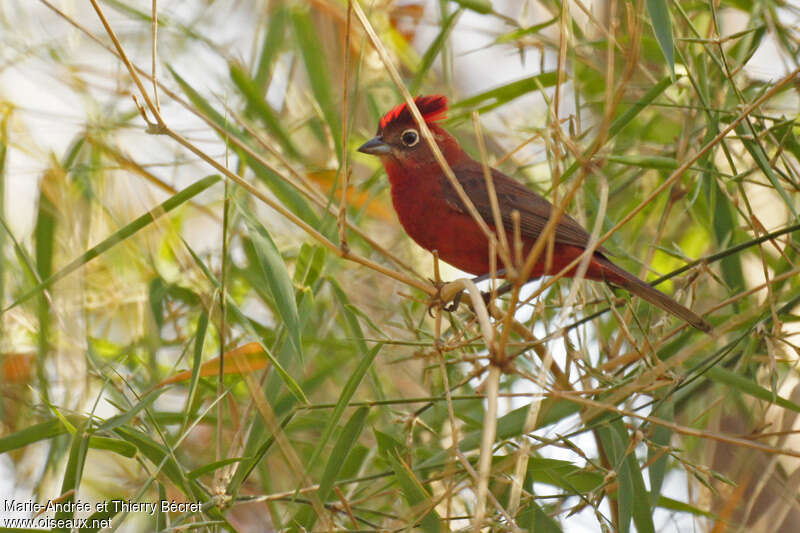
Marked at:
<point>634,285</point>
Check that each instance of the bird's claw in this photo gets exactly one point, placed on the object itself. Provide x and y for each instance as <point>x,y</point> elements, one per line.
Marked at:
<point>437,301</point>
<point>452,307</point>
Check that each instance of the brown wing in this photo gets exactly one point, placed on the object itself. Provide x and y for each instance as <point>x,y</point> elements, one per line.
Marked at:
<point>534,209</point>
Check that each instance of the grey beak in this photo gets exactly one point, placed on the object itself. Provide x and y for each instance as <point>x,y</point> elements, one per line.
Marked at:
<point>375,146</point>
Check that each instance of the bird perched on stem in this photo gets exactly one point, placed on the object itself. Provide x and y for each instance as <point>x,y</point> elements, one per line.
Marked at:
<point>433,214</point>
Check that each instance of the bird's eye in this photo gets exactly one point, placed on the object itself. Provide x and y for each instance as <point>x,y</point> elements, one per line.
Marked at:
<point>410,138</point>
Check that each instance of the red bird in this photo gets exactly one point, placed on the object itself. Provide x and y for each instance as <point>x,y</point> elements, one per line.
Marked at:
<point>434,216</point>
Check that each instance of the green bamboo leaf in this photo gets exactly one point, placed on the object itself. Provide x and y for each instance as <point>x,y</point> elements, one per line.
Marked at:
<point>562,474</point>
<point>37,432</point>
<point>278,281</point>
<point>433,50</point>
<point>202,104</point>
<point>197,361</point>
<point>749,387</point>
<point>126,231</point>
<point>512,425</point>
<point>632,112</point>
<point>364,364</point>
<point>784,132</point>
<point>746,135</point>
<point>287,194</point>
<point>3,153</point>
<point>535,519</point>
<point>496,97</point>
<point>683,507</point>
<point>661,437</point>
<point>337,459</point>
<point>117,446</point>
<point>413,491</point>
<point>314,58</point>
<point>356,333</point>
<point>309,265</point>
<point>261,109</point>
<point>55,427</point>
<point>662,26</point>
<point>516,35</point>
<point>722,215</point>
<point>212,466</point>
<point>483,7</point>
<point>614,441</point>
<point>73,472</point>
<point>272,45</point>
<point>645,161</point>
<point>625,118</point>
<point>163,459</point>
<point>633,500</point>
<point>132,412</point>
<point>44,236</point>
<point>231,305</point>
<point>642,508</point>
<point>248,464</point>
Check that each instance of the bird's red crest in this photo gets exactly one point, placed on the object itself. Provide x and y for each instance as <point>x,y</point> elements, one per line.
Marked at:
<point>432,108</point>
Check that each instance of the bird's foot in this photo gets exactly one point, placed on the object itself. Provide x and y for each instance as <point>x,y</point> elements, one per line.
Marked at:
<point>438,301</point>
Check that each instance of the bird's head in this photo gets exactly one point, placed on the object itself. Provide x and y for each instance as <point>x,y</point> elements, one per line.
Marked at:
<point>400,140</point>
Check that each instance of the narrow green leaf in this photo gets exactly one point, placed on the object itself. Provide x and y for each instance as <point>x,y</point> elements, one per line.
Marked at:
<point>351,320</point>
<point>500,95</point>
<point>117,446</point>
<point>562,474</point>
<point>661,438</point>
<point>288,380</point>
<point>314,59</point>
<point>642,507</point>
<point>55,427</point>
<point>73,472</point>
<point>160,457</point>
<point>130,413</point>
<point>746,134</point>
<point>344,398</point>
<point>515,35</point>
<point>276,277</point>
<point>747,386</point>
<point>413,491</point>
<point>273,41</point>
<point>433,50</point>
<point>126,231</point>
<point>337,459</point>
<point>645,161</point>
<point>261,109</point>
<point>287,194</point>
<point>683,507</point>
<point>37,432</point>
<point>197,361</point>
<point>309,265</point>
<point>536,520</point>
<point>248,464</point>
<point>614,441</point>
<point>625,118</point>
<point>483,7</point>
<point>212,466</point>
<point>662,26</point>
